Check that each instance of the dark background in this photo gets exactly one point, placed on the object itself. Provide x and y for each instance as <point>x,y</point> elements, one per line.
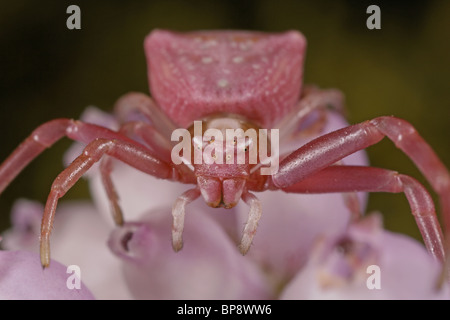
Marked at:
<point>48,71</point>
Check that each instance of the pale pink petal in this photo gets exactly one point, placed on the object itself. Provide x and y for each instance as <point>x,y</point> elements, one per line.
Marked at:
<point>22,278</point>
<point>367,262</point>
<point>79,238</point>
<point>138,192</point>
<point>208,267</point>
<point>26,216</point>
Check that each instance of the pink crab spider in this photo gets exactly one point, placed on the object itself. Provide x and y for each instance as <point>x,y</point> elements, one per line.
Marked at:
<point>242,80</point>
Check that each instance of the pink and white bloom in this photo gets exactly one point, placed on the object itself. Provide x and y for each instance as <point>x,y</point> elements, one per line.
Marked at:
<point>305,246</point>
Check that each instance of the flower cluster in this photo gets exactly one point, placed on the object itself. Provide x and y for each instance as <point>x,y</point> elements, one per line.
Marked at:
<point>306,247</point>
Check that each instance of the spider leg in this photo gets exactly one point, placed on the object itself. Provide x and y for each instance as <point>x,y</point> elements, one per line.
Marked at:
<point>150,137</point>
<point>178,213</point>
<point>252,221</point>
<point>312,99</point>
<point>329,148</point>
<point>141,103</point>
<point>156,135</point>
<point>368,179</point>
<point>315,99</point>
<point>44,137</point>
<point>154,142</point>
<point>351,200</point>
<point>106,167</point>
<point>99,141</point>
<point>131,153</point>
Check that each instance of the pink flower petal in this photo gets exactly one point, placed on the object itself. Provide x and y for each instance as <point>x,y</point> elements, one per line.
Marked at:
<point>208,267</point>
<point>26,216</point>
<point>22,278</point>
<point>79,238</point>
<point>367,262</point>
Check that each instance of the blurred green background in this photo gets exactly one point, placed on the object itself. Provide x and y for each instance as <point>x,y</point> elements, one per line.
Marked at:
<point>48,71</point>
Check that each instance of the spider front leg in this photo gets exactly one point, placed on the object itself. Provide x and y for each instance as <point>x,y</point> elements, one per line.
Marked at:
<point>156,143</point>
<point>44,137</point>
<point>100,141</point>
<point>155,135</point>
<point>339,178</point>
<point>319,101</point>
<point>327,149</point>
<point>153,141</point>
<point>131,153</point>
